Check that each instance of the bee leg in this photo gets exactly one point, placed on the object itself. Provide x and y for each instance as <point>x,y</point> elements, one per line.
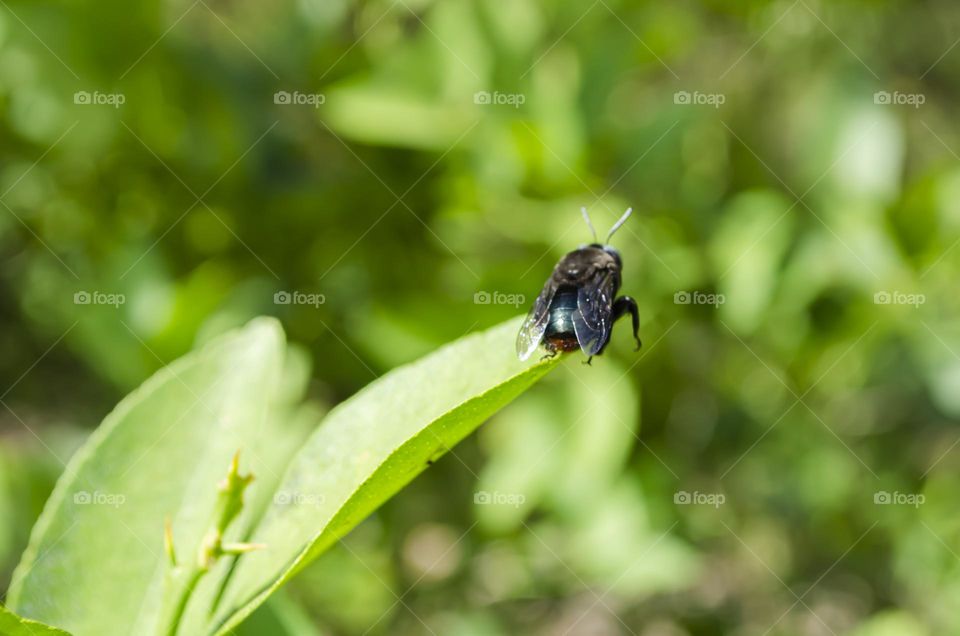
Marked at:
<point>549,356</point>
<point>626,304</point>
<point>587,361</point>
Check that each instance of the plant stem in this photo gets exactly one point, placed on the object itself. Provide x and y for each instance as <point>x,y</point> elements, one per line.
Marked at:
<point>228,505</point>
<point>173,624</point>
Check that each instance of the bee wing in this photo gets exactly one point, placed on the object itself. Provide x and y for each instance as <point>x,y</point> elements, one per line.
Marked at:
<point>533,328</point>
<point>594,316</point>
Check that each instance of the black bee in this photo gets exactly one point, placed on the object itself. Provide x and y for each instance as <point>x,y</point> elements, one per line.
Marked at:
<point>578,304</point>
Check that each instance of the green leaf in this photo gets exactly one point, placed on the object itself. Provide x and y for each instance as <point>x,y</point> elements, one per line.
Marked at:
<point>372,445</point>
<point>96,562</point>
<point>13,625</point>
<point>280,616</point>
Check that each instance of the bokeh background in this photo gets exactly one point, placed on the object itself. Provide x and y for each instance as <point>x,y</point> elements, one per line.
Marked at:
<point>781,457</point>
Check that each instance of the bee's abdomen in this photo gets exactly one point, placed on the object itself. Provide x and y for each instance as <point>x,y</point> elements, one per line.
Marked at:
<point>563,305</point>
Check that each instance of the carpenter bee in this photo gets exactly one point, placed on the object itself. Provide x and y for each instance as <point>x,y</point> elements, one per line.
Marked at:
<point>578,305</point>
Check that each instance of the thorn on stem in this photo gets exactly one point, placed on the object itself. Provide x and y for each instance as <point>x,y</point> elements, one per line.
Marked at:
<point>168,541</point>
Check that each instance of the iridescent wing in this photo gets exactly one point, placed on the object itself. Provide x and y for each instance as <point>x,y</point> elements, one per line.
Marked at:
<point>594,316</point>
<point>533,328</point>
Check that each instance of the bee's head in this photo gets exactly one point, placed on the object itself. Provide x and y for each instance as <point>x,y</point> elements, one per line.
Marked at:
<point>612,251</point>
<point>609,249</point>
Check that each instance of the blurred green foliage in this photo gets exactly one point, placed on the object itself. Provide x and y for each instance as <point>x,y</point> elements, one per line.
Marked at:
<point>802,399</point>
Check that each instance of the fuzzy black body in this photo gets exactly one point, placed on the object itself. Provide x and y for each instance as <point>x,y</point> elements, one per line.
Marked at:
<point>578,306</point>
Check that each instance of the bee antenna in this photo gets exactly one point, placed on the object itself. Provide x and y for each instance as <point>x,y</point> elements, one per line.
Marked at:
<point>616,226</point>
<point>586,217</point>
